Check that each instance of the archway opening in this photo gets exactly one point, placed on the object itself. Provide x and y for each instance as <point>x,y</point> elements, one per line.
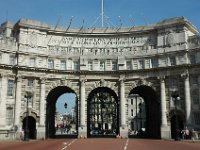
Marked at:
<point>61,120</point>
<point>144,113</point>
<point>29,123</point>
<point>102,112</point>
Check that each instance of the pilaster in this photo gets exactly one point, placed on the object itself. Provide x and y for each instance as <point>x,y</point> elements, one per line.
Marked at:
<point>42,102</point>
<point>3,100</point>
<point>123,126</point>
<point>18,101</point>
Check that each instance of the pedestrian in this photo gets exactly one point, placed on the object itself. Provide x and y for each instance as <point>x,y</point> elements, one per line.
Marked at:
<point>183,134</point>
<point>187,133</point>
<point>193,135</point>
<point>22,134</point>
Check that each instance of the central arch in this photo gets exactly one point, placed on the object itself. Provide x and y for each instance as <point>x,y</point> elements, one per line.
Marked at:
<point>103,112</point>
<point>151,127</point>
<point>51,125</point>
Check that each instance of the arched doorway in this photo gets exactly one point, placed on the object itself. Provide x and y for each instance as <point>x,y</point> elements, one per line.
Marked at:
<point>102,112</point>
<point>61,124</point>
<point>146,120</point>
<point>30,123</point>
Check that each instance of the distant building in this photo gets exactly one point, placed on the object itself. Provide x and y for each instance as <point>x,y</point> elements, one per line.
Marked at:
<point>144,77</point>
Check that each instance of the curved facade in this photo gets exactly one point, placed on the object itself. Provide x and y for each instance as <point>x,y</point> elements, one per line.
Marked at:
<point>149,74</point>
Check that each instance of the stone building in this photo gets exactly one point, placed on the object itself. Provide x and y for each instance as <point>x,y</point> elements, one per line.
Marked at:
<point>107,69</point>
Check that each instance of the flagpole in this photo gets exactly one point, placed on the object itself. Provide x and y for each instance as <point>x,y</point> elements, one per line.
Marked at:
<point>102,15</point>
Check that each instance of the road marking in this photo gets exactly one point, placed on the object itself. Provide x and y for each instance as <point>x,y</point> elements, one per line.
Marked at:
<point>68,144</point>
<point>126,145</point>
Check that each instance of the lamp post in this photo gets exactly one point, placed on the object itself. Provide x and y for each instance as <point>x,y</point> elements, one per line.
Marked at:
<point>176,98</point>
<point>64,118</point>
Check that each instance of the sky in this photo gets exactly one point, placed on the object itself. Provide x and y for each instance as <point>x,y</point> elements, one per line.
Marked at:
<point>70,99</point>
<point>87,13</point>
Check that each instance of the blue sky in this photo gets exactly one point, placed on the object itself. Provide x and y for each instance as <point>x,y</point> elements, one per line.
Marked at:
<point>131,12</point>
<point>70,99</point>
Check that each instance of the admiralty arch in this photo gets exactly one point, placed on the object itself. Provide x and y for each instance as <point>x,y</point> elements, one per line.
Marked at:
<point>140,78</point>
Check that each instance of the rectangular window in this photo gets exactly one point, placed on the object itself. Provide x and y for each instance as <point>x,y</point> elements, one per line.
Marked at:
<point>131,101</point>
<point>195,96</point>
<point>128,65</point>
<point>76,65</point>
<point>10,90</point>
<point>172,61</point>
<point>132,112</point>
<point>90,65</point>
<point>154,62</point>
<point>32,62</point>
<point>197,118</point>
<point>50,64</point>
<point>9,115</point>
<point>194,80</point>
<point>102,66</point>
<point>141,64</point>
<point>12,60</point>
<point>192,59</point>
<point>30,83</point>
<point>172,83</point>
<point>114,65</point>
<point>63,65</point>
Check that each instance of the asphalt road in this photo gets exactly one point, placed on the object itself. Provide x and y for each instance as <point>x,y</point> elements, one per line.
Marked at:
<point>100,144</point>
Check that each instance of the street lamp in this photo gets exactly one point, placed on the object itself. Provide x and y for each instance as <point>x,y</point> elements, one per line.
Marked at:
<point>65,105</point>
<point>176,98</point>
<point>28,106</point>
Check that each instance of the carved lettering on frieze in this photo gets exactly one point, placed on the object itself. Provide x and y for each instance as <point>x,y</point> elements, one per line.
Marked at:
<point>97,46</point>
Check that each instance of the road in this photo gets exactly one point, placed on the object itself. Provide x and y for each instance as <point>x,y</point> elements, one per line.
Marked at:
<point>100,144</point>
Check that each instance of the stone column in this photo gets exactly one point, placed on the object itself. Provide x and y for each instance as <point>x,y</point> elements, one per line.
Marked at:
<point>123,127</point>
<point>18,101</point>
<point>42,102</point>
<point>122,103</point>
<point>82,128</point>
<point>82,109</point>
<point>187,99</point>
<point>165,130</point>
<point>41,123</point>
<point>3,101</point>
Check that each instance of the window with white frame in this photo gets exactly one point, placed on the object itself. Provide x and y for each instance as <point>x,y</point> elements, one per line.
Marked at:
<point>131,101</point>
<point>12,60</point>
<point>196,118</point>
<point>10,90</point>
<point>114,65</point>
<point>32,62</point>
<point>9,116</point>
<point>141,64</point>
<point>154,62</point>
<point>50,64</point>
<point>90,65</point>
<point>192,59</point>
<point>128,65</point>
<point>63,65</point>
<point>30,83</point>
<point>102,65</point>
<point>172,61</point>
<point>76,65</point>
<point>132,112</point>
